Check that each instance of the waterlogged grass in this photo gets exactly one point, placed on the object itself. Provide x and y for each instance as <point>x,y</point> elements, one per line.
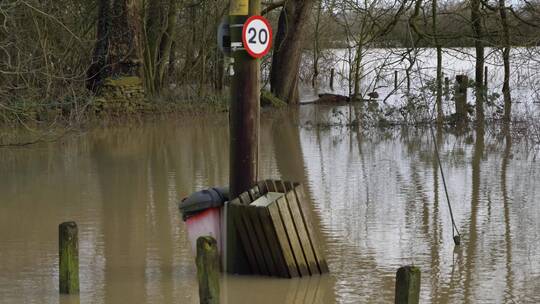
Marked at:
<point>195,104</point>
<point>88,109</point>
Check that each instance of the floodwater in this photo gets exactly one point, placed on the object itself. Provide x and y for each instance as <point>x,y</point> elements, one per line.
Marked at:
<point>379,65</point>
<point>377,197</point>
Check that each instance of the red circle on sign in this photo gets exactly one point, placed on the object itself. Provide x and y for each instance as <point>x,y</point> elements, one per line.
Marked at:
<point>251,52</point>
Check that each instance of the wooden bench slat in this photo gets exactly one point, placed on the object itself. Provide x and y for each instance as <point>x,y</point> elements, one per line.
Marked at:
<point>263,189</point>
<point>317,250</point>
<point>303,234</point>
<point>245,198</point>
<point>283,240</point>
<point>254,193</point>
<point>293,236</point>
<point>257,250</point>
<point>270,185</point>
<point>235,214</point>
<point>275,247</point>
<point>262,240</point>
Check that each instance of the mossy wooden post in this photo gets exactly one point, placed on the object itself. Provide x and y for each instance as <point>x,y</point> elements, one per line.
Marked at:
<point>68,250</point>
<point>461,97</point>
<point>208,271</point>
<point>408,285</point>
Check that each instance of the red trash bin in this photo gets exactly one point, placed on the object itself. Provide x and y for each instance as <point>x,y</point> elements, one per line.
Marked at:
<point>201,212</point>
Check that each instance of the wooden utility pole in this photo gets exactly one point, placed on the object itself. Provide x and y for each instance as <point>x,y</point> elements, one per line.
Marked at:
<point>244,115</point>
<point>245,104</point>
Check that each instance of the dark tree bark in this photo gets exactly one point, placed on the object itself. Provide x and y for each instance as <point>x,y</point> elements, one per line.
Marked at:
<point>439,78</point>
<point>124,46</point>
<point>98,69</point>
<point>506,61</point>
<point>476,21</point>
<point>153,30</point>
<point>316,47</point>
<point>117,48</point>
<point>160,28</point>
<point>288,49</point>
<point>171,73</point>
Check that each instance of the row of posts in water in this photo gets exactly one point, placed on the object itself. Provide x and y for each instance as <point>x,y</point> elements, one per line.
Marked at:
<point>407,289</point>
<point>459,78</point>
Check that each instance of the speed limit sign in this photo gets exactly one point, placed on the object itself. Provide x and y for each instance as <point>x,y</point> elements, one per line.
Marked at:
<point>257,36</point>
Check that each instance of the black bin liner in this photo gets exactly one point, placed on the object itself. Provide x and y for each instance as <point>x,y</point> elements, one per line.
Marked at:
<point>203,200</point>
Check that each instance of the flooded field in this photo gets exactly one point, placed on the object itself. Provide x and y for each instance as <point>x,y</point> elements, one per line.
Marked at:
<point>377,197</point>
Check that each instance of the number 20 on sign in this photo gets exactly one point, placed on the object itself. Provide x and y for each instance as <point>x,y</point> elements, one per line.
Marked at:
<point>257,36</point>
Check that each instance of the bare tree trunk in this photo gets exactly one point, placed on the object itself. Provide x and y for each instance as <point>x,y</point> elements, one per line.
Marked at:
<point>476,20</point>
<point>288,50</point>
<point>358,69</point>
<point>190,44</point>
<point>316,50</point>
<point>124,49</point>
<point>506,61</point>
<point>117,50</point>
<point>159,33</point>
<point>439,80</point>
<point>152,35</point>
<point>97,70</point>
<point>166,44</point>
<point>171,73</point>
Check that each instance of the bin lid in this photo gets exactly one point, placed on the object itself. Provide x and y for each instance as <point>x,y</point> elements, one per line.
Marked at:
<point>203,200</point>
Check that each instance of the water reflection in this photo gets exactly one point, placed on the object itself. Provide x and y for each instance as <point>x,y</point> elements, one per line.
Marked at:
<point>377,196</point>
<point>509,276</point>
<point>313,290</point>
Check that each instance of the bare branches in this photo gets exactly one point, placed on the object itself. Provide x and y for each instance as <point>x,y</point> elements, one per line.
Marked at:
<point>270,6</point>
<point>52,18</point>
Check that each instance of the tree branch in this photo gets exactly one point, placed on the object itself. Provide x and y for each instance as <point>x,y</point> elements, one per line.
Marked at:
<point>271,6</point>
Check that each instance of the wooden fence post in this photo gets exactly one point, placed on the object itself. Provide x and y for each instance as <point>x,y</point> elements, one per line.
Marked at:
<point>485,78</point>
<point>446,88</point>
<point>208,271</point>
<point>408,285</point>
<point>69,257</point>
<point>461,97</point>
<point>332,71</point>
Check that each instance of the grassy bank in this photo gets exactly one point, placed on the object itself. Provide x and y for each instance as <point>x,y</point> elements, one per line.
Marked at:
<point>88,109</point>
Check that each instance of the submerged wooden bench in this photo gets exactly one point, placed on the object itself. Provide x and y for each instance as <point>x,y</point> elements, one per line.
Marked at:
<point>271,223</point>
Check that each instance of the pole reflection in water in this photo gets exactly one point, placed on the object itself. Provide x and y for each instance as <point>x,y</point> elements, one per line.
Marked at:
<point>311,290</point>
<point>509,276</point>
<point>376,194</point>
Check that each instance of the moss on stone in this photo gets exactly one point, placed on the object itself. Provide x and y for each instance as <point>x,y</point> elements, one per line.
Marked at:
<point>270,100</point>
<point>123,81</point>
<point>121,95</point>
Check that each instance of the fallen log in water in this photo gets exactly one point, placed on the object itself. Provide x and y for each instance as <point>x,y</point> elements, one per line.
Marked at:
<point>332,98</point>
<point>328,98</point>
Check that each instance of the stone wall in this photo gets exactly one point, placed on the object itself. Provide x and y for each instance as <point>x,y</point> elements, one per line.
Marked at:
<point>121,95</point>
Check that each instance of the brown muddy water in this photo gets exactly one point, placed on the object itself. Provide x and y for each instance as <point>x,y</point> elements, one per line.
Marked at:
<point>377,196</point>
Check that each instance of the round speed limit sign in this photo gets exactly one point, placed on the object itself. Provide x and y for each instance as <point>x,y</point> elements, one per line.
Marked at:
<point>257,36</point>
